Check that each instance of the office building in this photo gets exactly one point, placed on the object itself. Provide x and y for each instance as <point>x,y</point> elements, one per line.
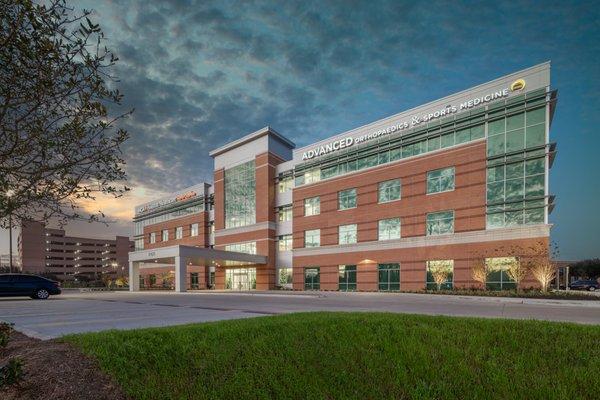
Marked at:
<point>381,207</point>
<point>52,253</point>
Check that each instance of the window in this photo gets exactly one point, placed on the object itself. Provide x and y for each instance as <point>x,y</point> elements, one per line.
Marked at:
<point>284,277</point>
<point>368,161</point>
<point>312,206</point>
<point>284,184</point>
<point>240,195</point>
<point>389,229</point>
<point>194,280</point>
<point>195,207</point>
<point>152,237</point>
<point>152,279</point>
<point>312,238</point>
<point>441,180</point>
<point>165,235</point>
<point>139,244</point>
<point>179,232</point>
<point>515,193</point>
<point>389,191</point>
<point>311,176</point>
<point>517,132</point>
<point>497,278</point>
<point>389,276</point>
<point>347,199</point>
<point>194,229</point>
<point>440,274</point>
<point>389,150</point>
<point>347,278</point>
<point>312,279</point>
<point>440,223</point>
<point>284,213</point>
<point>285,242</point>
<point>347,234</point>
<point>211,278</point>
<point>248,247</point>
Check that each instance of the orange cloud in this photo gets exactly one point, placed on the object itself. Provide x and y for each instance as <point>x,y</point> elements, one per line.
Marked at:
<point>121,208</point>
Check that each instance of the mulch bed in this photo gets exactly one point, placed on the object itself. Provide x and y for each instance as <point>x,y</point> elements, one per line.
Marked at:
<point>55,370</point>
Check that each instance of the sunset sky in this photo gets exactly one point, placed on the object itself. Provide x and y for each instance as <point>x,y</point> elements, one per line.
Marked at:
<point>200,74</point>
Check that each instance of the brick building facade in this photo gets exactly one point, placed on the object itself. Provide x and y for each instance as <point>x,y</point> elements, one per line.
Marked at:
<point>53,253</point>
<point>457,181</point>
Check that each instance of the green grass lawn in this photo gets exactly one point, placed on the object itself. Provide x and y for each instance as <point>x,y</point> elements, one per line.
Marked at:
<point>353,355</point>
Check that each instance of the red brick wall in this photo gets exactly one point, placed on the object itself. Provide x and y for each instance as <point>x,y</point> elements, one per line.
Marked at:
<point>219,196</point>
<point>467,200</point>
<point>265,165</point>
<point>201,240</point>
<point>412,263</point>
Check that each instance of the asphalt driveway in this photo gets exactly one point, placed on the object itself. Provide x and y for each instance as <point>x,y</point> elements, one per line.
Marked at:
<point>75,312</point>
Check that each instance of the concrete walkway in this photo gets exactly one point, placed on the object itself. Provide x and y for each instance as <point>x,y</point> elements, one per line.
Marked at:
<point>76,312</point>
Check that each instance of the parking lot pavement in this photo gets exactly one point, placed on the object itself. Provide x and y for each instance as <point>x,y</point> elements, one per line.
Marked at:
<point>75,312</point>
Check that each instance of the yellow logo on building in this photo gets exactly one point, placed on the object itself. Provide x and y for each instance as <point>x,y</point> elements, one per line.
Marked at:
<point>519,84</point>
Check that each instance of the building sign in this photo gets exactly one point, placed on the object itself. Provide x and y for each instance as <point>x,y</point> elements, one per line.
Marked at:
<point>186,196</point>
<point>165,202</point>
<point>414,121</point>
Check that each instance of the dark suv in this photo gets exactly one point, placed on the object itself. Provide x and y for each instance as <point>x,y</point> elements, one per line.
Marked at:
<point>33,286</point>
<point>585,285</point>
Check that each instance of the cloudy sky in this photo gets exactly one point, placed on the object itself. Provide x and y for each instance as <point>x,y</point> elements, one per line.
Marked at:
<point>200,74</point>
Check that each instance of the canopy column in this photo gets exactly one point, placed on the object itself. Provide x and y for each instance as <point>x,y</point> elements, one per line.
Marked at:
<point>180,274</point>
<point>134,276</point>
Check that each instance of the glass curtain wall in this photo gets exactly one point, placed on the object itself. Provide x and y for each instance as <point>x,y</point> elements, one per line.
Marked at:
<point>240,195</point>
<point>516,181</point>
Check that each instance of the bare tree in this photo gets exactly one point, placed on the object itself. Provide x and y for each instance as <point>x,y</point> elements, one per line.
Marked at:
<point>59,144</point>
<point>544,271</point>
<point>167,279</point>
<point>516,270</point>
<point>121,281</point>
<point>440,272</point>
<point>479,272</point>
<point>541,265</point>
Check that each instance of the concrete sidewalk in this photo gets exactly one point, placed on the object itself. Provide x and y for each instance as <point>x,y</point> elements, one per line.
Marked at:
<point>76,312</point>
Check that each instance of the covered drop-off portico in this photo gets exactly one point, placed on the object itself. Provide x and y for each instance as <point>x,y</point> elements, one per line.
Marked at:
<point>180,257</point>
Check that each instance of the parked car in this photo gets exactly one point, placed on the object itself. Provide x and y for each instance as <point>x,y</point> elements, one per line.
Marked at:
<point>33,286</point>
<point>590,285</point>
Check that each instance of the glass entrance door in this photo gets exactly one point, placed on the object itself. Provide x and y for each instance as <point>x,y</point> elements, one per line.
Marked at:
<point>240,279</point>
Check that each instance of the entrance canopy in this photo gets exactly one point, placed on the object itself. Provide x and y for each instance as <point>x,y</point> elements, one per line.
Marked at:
<point>182,256</point>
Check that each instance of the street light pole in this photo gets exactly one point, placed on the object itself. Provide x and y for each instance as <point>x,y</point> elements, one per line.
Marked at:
<point>10,258</point>
<point>9,194</point>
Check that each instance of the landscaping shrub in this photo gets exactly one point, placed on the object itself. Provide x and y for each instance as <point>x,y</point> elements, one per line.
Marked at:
<point>5,330</point>
<point>11,372</point>
<point>523,293</point>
